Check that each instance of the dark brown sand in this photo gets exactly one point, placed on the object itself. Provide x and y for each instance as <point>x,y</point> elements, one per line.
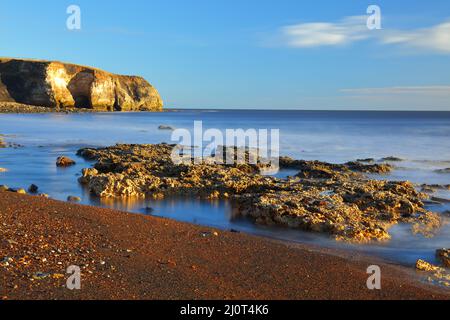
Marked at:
<point>128,256</point>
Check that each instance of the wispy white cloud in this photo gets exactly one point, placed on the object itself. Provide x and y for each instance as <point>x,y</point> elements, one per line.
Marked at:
<point>412,90</point>
<point>430,97</point>
<point>353,29</point>
<point>436,38</point>
<point>317,34</point>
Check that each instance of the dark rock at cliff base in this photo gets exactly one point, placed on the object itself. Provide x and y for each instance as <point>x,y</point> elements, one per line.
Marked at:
<point>62,85</point>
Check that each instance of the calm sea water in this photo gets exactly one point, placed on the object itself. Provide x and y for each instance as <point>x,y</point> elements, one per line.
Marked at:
<point>421,138</point>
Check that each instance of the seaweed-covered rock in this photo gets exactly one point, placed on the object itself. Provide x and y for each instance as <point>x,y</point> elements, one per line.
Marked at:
<point>324,170</point>
<point>369,168</point>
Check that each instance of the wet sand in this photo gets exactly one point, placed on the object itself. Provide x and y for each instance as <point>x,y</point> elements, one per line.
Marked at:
<point>129,256</point>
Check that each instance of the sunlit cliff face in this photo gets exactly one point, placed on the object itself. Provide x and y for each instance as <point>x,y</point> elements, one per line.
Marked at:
<point>61,85</point>
<point>58,79</point>
<point>103,92</point>
<point>80,86</point>
<point>89,88</point>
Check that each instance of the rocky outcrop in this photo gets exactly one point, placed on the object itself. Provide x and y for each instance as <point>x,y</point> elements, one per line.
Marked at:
<point>435,274</point>
<point>323,197</point>
<point>64,162</point>
<point>61,85</point>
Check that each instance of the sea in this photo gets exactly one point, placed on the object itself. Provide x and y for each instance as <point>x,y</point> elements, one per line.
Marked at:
<point>421,139</point>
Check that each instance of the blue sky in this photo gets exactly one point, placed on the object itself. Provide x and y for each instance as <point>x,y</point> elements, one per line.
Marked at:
<point>286,54</point>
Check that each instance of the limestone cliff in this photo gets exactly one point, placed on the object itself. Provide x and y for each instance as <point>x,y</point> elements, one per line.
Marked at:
<point>62,85</point>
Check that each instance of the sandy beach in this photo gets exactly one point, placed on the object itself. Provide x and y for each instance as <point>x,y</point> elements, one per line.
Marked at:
<point>128,256</point>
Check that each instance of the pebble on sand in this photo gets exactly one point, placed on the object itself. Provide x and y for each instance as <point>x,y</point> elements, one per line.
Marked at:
<point>33,188</point>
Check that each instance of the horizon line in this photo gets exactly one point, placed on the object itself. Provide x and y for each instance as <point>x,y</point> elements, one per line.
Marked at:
<point>324,110</point>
